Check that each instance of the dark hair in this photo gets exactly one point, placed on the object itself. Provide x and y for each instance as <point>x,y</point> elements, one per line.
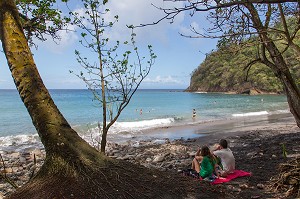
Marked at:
<point>205,151</point>
<point>223,143</point>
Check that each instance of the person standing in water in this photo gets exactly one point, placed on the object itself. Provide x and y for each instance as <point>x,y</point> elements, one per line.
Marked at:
<point>194,113</point>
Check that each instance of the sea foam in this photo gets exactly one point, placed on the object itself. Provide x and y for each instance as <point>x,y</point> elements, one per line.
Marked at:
<point>17,141</point>
<point>141,125</point>
<point>128,129</point>
<point>144,123</point>
<point>250,114</point>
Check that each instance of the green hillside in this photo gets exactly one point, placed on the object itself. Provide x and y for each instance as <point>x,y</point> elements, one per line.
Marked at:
<point>223,71</point>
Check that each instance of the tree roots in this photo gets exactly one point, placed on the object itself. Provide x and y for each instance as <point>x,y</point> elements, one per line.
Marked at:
<point>288,179</point>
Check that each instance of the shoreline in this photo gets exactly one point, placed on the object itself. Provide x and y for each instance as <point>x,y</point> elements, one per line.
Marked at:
<point>209,128</point>
<point>173,132</point>
<point>246,92</point>
<point>247,142</point>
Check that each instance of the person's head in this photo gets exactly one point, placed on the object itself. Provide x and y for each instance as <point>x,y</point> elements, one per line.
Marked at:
<point>223,143</point>
<point>205,151</point>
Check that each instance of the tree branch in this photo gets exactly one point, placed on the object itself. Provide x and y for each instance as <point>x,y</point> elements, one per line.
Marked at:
<point>249,65</point>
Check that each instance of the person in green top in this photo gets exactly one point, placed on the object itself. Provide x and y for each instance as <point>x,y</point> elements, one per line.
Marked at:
<point>204,162</point>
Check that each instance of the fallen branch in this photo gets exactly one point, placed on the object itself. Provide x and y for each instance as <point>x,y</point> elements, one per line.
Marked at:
<point>288,180</point>
<point>5,177</point>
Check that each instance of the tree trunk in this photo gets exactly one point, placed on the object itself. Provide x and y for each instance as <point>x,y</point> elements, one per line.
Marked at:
<point>283,73</point>
<point>72,168</point>
<point>278,65</point>
<point>53,129</point>
<point>66,151</point>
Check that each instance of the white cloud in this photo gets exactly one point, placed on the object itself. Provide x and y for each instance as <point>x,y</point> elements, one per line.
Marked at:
<point>67,82</point>
<point>136,12</point>
<point>130,12</point>
<point>196,26</point>
<point>165,80</point>
<point>67,38</point>
<point>188,31</point>
<point>7,84</point>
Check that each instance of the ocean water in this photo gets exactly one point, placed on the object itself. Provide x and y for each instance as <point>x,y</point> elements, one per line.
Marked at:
<point>148,109</point>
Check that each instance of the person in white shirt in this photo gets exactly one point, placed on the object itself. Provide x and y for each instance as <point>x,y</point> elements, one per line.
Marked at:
<point>226,156</point>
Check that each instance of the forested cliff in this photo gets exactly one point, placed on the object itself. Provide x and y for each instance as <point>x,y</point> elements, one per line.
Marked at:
<point>225,70</point>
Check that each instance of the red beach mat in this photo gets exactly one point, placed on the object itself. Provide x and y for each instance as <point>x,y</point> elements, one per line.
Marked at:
<point>235,174</point>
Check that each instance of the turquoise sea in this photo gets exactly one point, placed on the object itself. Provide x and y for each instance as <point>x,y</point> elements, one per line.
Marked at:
<point>149,109</point>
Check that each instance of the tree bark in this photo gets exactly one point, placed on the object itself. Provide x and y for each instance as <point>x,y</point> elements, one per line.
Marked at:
<point>279,66</point>
<point>52,127</point>
<point>66,151</point>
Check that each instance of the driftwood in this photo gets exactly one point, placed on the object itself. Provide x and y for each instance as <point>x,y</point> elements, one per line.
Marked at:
<point>3,175</point>
<point>288,179</point>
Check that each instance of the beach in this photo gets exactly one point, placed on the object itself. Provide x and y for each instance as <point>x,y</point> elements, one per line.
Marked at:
<point>256,144</point>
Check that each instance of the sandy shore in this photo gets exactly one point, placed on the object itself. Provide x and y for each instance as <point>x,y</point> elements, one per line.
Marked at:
<point>217,128</point>
<point>256,143</point>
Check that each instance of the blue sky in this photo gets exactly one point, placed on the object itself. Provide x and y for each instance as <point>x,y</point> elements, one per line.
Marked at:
<point>177,56</point>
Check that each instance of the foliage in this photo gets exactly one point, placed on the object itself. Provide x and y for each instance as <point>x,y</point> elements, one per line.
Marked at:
<point>114,77</point>
<point>41,18</point>
<point>224,70</point>
<point>237,21</point>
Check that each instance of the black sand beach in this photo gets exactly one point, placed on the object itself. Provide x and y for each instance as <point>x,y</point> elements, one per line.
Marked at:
<point>257,145</point>
<point>217,127</point>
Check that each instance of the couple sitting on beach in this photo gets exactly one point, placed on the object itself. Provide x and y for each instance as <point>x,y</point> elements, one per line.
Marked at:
<point>216,163</point>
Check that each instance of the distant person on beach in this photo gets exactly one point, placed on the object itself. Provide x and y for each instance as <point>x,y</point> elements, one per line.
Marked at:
<point>194,113</point>
<point>222,151</point>
<point>204,162</point>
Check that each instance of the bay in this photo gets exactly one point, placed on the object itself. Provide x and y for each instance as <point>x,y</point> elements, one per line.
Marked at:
<point>148,109</point>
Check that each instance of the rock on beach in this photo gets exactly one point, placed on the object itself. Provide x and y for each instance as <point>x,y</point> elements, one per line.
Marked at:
<point>260,157</point>
<point>19,166</point>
